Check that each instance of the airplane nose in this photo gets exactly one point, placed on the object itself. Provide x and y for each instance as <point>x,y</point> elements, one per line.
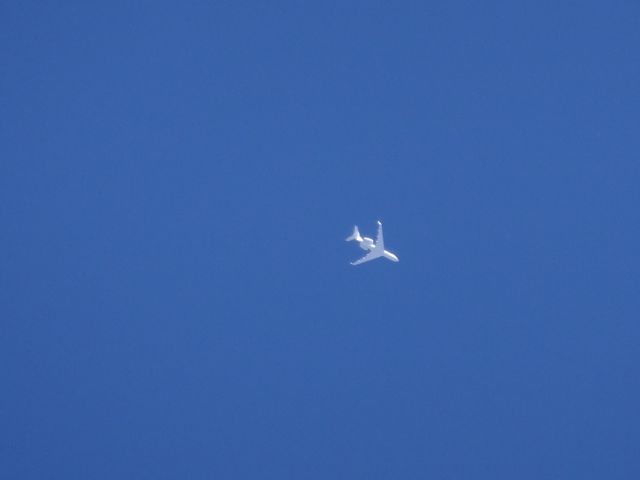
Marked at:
<point>391,256</point>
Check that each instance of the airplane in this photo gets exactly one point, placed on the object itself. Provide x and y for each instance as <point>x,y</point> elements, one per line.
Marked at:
<point>376,250</point>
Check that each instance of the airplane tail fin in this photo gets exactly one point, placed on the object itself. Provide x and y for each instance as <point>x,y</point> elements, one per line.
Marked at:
<point>354,236</point>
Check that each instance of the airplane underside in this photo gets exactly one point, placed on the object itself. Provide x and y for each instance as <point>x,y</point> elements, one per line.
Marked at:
<point>376,249</point>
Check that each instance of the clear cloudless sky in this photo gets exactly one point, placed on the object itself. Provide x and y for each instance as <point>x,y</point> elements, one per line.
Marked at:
<point>176,183</point>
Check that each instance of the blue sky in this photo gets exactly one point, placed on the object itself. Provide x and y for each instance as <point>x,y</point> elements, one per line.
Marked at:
<point>177,179</point>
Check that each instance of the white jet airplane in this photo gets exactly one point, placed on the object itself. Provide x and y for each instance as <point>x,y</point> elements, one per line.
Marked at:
<point>376,250</point>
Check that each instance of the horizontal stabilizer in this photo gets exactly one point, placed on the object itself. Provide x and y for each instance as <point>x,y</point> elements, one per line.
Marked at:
<point>354,236</point>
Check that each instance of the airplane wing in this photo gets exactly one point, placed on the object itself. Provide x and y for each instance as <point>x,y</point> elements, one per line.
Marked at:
<point>377,251</point>
<point>373,254</point>
<point>379,238</point>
